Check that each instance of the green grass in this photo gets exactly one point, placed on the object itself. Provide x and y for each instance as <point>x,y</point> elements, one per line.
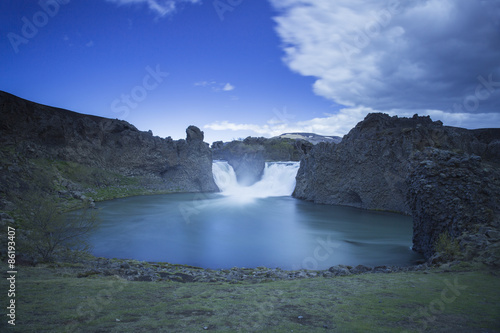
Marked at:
<point>96,183</point>
<point>54,300</point>
<point>115,192</point>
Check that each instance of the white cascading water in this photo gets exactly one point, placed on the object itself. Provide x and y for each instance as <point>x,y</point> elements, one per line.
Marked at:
<point>224,175</point>
<point>278,180</point>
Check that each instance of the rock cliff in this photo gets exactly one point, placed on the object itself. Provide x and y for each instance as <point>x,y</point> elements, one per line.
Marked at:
<point>32,132</point>
<point>247,160</point>
<point>378,166</point>
<point>456,194</point>
<point>368,169</point>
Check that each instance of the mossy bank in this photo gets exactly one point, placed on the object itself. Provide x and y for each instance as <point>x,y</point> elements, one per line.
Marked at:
<point>459,299</point>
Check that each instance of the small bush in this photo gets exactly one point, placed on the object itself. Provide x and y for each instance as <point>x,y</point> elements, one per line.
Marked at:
<point>48,231</point>
<point>447,246</point>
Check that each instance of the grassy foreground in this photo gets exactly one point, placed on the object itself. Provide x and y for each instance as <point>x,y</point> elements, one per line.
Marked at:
<point>55,300</point>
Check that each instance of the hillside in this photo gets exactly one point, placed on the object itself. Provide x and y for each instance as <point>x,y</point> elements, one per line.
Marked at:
<point>75,155</point>
<point>311,137</point>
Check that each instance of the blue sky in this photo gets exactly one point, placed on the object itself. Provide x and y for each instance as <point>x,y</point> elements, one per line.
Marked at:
<point>238,67</point>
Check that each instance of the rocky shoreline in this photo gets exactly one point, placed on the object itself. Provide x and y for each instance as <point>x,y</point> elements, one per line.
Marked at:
<point>133,270</point>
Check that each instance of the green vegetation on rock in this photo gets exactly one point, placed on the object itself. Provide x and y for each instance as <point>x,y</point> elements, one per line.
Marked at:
<point>447,247</point>
<point>271,150</point>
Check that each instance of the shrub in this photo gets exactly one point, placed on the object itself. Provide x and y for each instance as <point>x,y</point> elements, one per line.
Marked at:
<point>47,230</point>
<point>447,246</point>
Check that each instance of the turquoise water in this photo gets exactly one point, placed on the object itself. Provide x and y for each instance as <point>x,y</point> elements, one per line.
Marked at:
<point>216,231</point>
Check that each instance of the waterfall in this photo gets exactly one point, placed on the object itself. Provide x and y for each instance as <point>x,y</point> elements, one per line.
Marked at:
<point>278,180</point>
<point>224,176</point>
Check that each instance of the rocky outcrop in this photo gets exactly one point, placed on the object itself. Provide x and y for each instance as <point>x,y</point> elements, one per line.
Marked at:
<point>380,165</point>
<point>248,167</point>
<point>247,160</point>
<point>368,169</point>
<point>455,194</point>
<point>190,169</point>
<point>30,131</point>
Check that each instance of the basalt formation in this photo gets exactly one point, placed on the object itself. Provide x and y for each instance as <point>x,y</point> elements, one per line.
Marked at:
<point>46,148</point>
<point>447,178</point>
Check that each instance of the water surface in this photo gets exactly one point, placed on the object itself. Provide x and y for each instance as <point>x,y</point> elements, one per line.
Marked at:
<point>219,231</point>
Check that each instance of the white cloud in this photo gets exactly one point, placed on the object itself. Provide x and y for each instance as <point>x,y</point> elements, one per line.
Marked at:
<point>394,54</point>
<point>215,86</point>
<point>341,123</point>
<point>161,7</point>
<point>90,44</point>
<point>338,124</point>
<point>228,87</point>
<point>226,125</point>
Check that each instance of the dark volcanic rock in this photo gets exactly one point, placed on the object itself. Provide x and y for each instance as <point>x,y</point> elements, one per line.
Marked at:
<point>37,131</point>
<point>246,159</point>
<point>248,167</point>
<point>489,143</point>
<point>194,134</point>
<point>368,169</point>
<point>455,194</point>
<point>191,169</point>
<point>447,178</point>
<point>132,270</point>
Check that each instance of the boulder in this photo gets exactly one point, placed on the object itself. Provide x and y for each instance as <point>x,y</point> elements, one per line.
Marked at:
<point>339,270</point>
<point>194,134</point>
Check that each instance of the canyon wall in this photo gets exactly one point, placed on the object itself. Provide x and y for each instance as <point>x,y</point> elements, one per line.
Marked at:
<point>30,133</point>
<point>380,165</point>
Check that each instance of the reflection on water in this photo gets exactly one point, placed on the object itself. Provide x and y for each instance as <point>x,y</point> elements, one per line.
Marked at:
<point>213,231</point>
